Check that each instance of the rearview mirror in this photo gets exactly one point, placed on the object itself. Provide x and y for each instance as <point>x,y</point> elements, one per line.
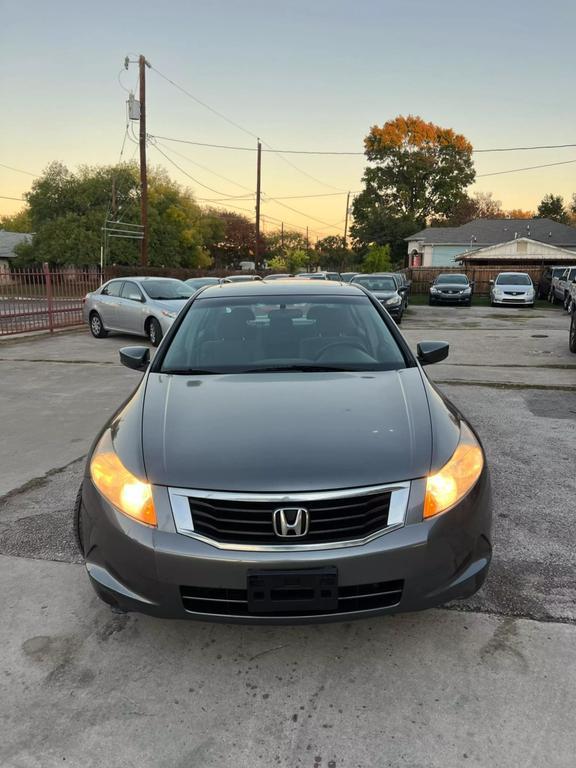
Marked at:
<point>136,358</point>
<point>429,352</point>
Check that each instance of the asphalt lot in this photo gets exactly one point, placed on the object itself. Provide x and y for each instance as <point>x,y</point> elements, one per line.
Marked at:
<point>487,683</point>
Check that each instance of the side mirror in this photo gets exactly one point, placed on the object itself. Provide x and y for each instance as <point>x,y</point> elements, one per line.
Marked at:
<point>491,282</point>
<point>472,283</point>
<point>136,358</point>
<point>429,352</point>
<point>402,289</point>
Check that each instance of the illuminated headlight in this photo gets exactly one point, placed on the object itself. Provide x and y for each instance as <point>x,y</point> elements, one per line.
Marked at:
<point>457,477</point>
<point>171,315</point>
<point>119,486</point>
<point>394,301</point>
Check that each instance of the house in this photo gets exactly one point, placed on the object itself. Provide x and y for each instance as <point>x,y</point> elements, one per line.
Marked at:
<point>8,242</point>
<point>440,246</point>
<point>523,250</point>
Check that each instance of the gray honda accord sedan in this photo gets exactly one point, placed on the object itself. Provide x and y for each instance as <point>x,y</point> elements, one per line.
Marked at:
<point>284,458</point>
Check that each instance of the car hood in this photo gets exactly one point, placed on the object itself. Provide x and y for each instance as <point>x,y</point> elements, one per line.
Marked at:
<point>381,295</point>
<point>286,432</point>
<point>174,305</point>
<point>512,287</point>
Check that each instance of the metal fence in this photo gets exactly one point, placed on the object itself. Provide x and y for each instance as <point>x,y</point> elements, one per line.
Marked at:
<point>43,298</point>
<point>421,277</point>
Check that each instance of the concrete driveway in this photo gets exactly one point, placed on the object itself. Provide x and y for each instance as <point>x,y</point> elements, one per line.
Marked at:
<point>487,683</point>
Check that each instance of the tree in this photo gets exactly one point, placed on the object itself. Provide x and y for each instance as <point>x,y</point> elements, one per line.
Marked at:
<point>279,243</point>
<point>18,222</point>
<point>331,251</point>
<point>377,259</point>
<point>518,213</point>
<point>418,170</point>
<point>552,207</point>
<point>68,210</point>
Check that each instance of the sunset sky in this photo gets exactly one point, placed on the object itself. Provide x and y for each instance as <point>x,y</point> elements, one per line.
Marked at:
<point>299,74</point>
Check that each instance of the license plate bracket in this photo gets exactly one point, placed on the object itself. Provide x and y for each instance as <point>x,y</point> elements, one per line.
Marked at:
<point>313,590</point>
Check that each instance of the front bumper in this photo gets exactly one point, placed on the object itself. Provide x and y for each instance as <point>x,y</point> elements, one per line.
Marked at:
<point>451,298</point>
<point>510,301</point>
<point>420,565</point>
<point>394,311</point>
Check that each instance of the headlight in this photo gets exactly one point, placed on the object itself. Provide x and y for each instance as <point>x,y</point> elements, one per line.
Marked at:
<point>456,478</point>
<point>467,290</point>
<point>498,291</point>
<point>394,301</point>
<point>166,313</point>
<point>433,289</point>
<point>120,487</point>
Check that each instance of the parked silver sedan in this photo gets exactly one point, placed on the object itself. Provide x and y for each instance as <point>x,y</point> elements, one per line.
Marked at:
<point>512,288</point>
<point>143,306</point>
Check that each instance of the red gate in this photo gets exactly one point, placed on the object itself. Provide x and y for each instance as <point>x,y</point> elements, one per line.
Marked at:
<point>43,298</point>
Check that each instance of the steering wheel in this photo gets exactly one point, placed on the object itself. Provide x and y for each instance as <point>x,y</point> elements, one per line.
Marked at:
<point>333,344</point>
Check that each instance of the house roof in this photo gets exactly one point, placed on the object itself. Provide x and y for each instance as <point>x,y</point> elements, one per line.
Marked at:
<point>9,240</point>
<point>493,231</point>
<point>530,250</point>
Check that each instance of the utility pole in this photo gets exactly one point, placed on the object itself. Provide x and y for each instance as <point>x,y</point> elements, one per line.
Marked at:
<point>142,64</point>
<point>346,221</point>
<point>282,237</point>
<point>258,170</point>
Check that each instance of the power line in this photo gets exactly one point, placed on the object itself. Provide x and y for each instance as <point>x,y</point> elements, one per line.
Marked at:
<point>20,199</point>
<point>209,170</point>
<point>528,168</point>
<point>18,170</point>
<point>301,213</point>
<point>241,128</point>
<point>352,153</point>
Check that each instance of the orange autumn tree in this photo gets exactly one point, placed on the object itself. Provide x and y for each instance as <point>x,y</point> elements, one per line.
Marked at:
<point>417,171</point>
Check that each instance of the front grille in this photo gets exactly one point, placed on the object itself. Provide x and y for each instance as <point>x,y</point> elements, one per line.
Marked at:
<point>234,602</point>
<point>251,522</point>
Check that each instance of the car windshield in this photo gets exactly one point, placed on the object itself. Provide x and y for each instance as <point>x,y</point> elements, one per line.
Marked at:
<point>513,279</point>
<point>167,290</point>
<point>282,333</point>
<point>376,283</point>
<point>452,279</point>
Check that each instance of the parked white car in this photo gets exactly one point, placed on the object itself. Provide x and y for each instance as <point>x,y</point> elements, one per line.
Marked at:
<point>143,306</point>
<point>512,288</point>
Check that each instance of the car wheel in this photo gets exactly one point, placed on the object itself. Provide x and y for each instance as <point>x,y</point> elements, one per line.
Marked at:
<point>97,327</point>
<point>566,301</point>
<point>552,297</point>
<point>399,319</point>
<point>154,332</point>
<point>572,337</point>
<point>570,305</point>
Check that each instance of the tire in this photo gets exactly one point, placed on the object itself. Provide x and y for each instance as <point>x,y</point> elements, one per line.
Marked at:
<point>571,306</point>
<point>97,326</point>
<point>154,331</point>
<point>566,303</point>
<point>398,319</point>
<point>572,336</point>
<point>552,297</point>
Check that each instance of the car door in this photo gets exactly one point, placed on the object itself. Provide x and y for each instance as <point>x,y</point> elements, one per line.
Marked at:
<point>131,309</point>
<point>107,303</point>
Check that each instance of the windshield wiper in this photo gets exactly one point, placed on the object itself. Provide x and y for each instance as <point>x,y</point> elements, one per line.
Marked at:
<point>190,372</point>
<point>298,368</point>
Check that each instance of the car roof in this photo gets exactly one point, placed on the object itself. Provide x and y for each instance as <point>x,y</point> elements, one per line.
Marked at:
<point>288,287</point>
<point>513,273</point>
<point>141,279</point>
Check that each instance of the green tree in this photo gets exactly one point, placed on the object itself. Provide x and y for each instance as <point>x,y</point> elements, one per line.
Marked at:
<point>296,260</point>
<point>17,222</point>
<point>552,207</point>
<point>331,251</point>
<point>417,170</point>
<point>68,210</point>
<point>279,243</point>
<point>377,259</point>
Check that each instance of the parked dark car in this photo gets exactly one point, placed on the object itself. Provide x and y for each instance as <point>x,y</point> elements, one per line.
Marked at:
<point>279,467</point>
<point>320,275</point>
<point>200,282</point>
<point>545,282</point>
<point>347,277</point>
<point>451,288</point>
<point>385,289</point>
